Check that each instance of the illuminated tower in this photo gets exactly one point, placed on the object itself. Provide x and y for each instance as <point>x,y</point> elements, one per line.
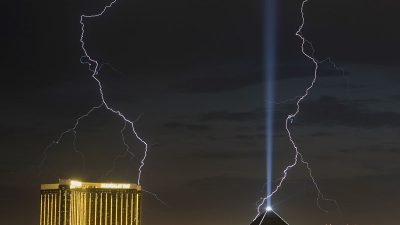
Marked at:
<point>71,202</point>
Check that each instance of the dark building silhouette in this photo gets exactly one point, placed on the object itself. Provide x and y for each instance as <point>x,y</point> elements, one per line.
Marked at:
<point>71,202</point>
<point>269,218</point>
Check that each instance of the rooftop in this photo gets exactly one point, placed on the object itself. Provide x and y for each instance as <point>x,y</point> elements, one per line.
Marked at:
<point>75,184</point>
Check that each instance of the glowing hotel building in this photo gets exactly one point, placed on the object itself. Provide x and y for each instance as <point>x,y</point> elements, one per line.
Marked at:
<point>71,202</point>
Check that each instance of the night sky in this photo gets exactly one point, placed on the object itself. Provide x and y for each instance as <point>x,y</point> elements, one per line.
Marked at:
<point>191,71</point>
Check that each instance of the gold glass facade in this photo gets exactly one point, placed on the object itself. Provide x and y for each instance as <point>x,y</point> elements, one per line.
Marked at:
<point>82,203</point>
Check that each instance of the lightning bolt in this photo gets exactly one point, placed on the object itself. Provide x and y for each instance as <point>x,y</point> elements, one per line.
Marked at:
<point>298,157</point>
<point>70,130</point>
<point>122,155</point>
<point>127,149</point>
<point>155,196</point>
<point>94,67</point>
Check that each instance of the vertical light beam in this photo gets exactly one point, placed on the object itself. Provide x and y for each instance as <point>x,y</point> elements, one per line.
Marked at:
<point>270,33</point>
<point>308,51</point>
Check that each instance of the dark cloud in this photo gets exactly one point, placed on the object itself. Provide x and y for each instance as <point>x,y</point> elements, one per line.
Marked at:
<point>329,111</point>
<point>395,97</point>
<point>291,71</point>
<point>322,134</point>
<point>222,78</point>
<point>215,84</point>
<point>222,179</point>
<point>7,132</point>
<point>227,155</point>
<point>253,115</point>
<point>373,148</point>
<point>328,158</point>
<point>188,126</point>
<point>249,136</point>
<point>383,149</point>
<point>342,29</point>
<point>233,77</point>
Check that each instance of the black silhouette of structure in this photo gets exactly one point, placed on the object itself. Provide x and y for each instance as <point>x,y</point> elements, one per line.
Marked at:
<point>269,217</point>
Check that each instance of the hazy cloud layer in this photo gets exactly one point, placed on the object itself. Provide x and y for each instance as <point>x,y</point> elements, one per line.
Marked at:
<point>329,111</point>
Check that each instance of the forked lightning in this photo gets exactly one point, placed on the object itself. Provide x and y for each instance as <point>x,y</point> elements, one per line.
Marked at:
<point>94,67</point>
<point>289,119</point>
